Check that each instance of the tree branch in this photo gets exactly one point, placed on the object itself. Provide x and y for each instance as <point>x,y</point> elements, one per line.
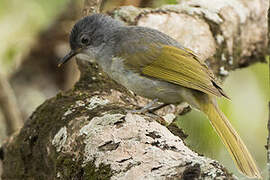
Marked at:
<point>87,133</point>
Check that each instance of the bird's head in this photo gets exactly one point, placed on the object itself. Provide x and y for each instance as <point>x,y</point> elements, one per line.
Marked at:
<point>89,34</point>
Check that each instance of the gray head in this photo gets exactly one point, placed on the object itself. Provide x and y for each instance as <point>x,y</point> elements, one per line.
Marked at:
<point>89,34</point>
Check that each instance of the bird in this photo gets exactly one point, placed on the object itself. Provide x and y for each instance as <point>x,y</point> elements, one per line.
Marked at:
<point>156,66</point>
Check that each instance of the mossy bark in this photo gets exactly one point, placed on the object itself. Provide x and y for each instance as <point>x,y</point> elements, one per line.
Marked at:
<point>86,132</point>
<point>58,139</point>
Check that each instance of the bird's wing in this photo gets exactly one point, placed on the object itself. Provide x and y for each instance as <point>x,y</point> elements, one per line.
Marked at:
<point>174,65</point>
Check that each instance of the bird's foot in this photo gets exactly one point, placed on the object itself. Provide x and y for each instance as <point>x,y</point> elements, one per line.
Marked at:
<point>149,110</point>
<point>145,109</point>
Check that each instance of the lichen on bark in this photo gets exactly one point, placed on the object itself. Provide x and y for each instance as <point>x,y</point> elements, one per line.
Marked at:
<point>70,137</point>
<point>86,132</point>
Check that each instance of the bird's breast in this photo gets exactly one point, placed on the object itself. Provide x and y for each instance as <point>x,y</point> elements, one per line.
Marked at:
<point>142,85</point>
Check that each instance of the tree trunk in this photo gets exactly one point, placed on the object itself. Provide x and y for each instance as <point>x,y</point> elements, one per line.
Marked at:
<point>87,132</point>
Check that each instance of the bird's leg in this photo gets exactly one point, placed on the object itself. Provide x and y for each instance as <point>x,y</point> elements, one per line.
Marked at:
<point>150,110</point>
<point>153,109</point>
<point>146,108</point>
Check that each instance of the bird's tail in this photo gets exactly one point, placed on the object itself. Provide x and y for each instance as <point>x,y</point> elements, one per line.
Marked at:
<point>230,139</point>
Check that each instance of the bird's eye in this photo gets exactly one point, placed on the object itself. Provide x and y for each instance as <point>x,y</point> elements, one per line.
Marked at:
<point>85,40</point>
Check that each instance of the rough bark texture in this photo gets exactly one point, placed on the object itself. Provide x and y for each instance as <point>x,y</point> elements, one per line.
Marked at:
<point>86,133</point>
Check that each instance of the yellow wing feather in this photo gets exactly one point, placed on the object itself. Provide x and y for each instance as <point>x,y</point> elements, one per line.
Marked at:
<point>183,68</point>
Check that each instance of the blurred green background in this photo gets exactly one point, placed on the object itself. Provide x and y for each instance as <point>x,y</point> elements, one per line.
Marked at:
<point>21,22</point>
<point>248,89</point>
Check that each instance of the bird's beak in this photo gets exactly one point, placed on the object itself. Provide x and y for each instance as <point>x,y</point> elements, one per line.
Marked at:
<point>67,57</point>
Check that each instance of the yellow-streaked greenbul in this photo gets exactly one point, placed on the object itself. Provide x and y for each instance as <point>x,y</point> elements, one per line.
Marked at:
<point>156,66</point>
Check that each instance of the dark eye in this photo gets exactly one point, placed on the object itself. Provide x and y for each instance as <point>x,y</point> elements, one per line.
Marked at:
<point>85,40</point>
